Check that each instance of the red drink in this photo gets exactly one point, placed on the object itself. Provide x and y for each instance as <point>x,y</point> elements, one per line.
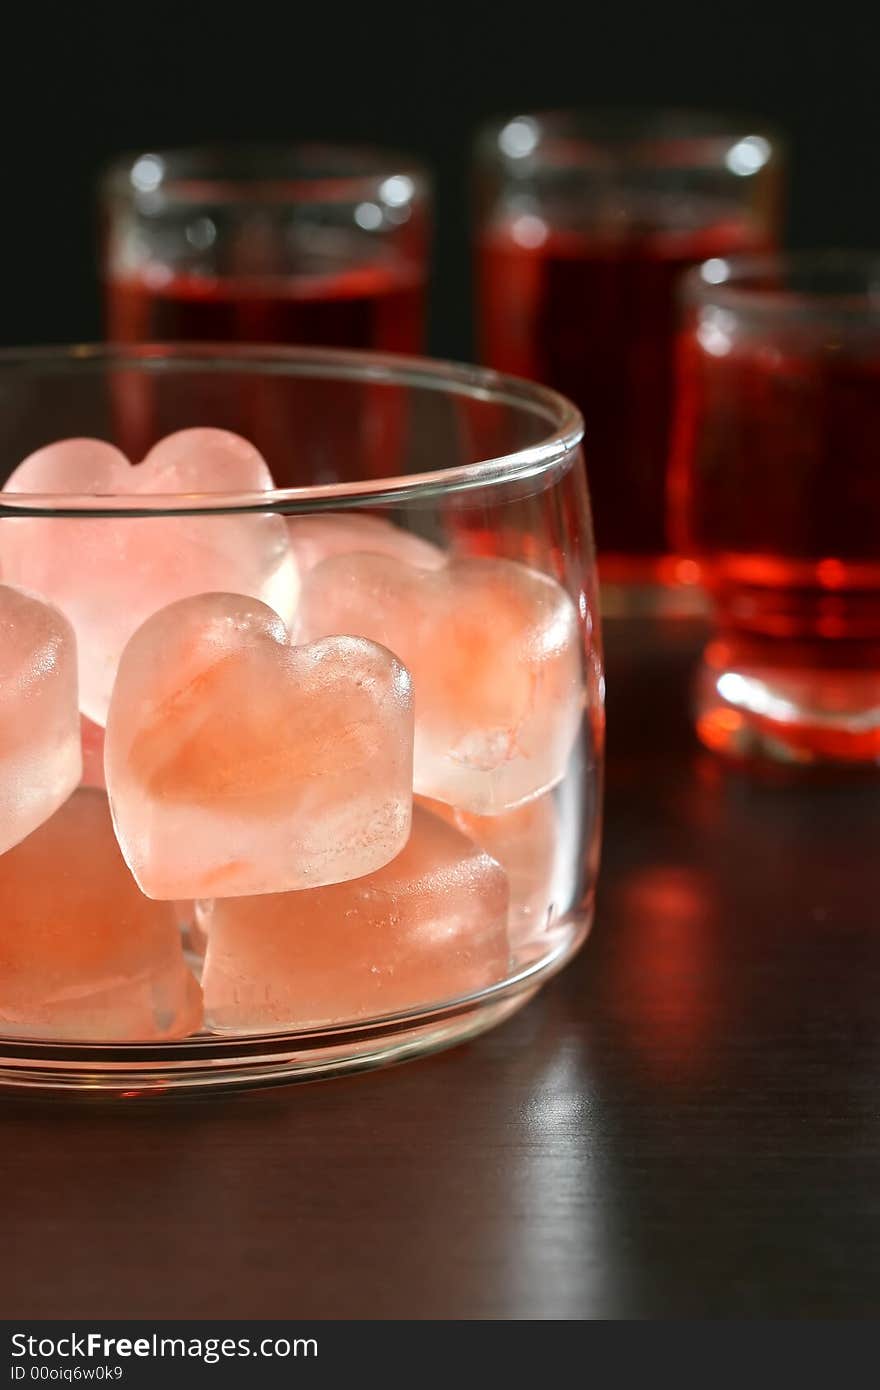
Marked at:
<point>367,307</point>
<point>776,492</point>
<point>595,317</point>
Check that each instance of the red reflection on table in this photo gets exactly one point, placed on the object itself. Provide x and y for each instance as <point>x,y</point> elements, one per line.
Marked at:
<point>666,972</point>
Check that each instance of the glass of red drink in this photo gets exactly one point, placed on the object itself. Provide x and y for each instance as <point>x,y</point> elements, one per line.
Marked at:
<point>775,492</point>
<point>314,244</point>
<point>586,223</point>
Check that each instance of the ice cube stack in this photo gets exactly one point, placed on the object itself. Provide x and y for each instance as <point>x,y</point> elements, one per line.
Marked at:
<point>331,739</point>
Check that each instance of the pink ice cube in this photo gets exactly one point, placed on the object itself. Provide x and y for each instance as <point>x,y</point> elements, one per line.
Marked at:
<point>108,574</point>
<point>317,538</point>
<point>85,956</point>
<point>238,764</point>
<point>426,928</point>
<point>39,719</point>
<point>494,649</point>
<point>525,842</point>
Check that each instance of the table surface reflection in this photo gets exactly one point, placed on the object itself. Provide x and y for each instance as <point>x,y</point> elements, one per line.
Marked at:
<point>686,1123</point>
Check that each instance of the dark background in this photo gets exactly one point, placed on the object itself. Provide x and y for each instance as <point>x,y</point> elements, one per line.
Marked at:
<point>686,1124</point>
<point>81,85</point>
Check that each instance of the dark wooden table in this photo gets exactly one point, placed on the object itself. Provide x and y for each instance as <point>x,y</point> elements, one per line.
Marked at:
<point>686,1123</point>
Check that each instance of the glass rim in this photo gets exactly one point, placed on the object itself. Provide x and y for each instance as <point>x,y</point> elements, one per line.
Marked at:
<point>673,137</point>
<point>744,284</point>
<point>466,381</point>
<point>317,171</point>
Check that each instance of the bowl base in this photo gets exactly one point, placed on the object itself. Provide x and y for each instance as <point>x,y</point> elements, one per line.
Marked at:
<point>210,1063</point>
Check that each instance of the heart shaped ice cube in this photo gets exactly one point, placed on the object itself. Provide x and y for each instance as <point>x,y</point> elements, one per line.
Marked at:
<point>238,764</point>
<point>494,650</point>
<point>86,957</point>
<point>430,925</point>
<point>40,762</point>
<point>316,538</point>
<point>108,574</point>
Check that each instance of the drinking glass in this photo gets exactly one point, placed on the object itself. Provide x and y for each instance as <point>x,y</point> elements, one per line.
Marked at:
<point>316,245</point>
<point>775,493</point>
<point>231,860</point>
<point>586,221</point>
<point>320,245</point>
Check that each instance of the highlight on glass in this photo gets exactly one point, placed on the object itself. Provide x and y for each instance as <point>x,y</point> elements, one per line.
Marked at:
<point>320,245</point>
<point>586,222</point>
<point>776,495</point>
<point>302,769</point>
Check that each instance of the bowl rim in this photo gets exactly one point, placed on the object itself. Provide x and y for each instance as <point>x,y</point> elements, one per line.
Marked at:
<point>555,448</point>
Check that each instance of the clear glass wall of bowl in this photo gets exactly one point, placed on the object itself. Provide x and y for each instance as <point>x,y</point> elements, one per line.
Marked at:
<point>323,245</point>
<point>585,223</point>
<point>301,769</point>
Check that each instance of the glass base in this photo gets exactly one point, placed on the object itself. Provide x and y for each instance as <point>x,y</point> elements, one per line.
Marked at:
<point>644,586</point>
<point>789,715</point>
<point>215,1063</point>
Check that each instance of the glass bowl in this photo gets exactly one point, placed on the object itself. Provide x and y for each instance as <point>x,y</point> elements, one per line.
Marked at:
<point>304,711</point>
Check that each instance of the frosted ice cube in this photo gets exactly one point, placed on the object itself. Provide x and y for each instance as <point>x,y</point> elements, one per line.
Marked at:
<point>494,650</point>
<point>525,842</point>
<point>238,764</point>
<point>317,538</point>
<point>86,956</point>
<point>40,760</point>
<point>427,927</point>
<point>108,574</point>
